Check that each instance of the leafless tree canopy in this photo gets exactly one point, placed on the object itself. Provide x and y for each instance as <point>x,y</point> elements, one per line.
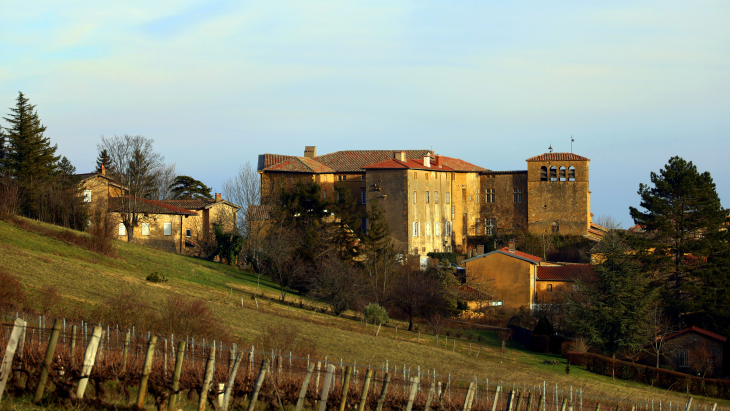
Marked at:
<point>337,283</point>
<point>244,189</point>
<point>136,166</point>
<point>162,181</point>
<point>281,261</point>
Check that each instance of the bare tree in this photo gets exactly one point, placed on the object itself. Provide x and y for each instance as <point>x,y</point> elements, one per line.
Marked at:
<point>164,177</point>
<point>436,322</point>
<point>135,166</point>
<point>660,327</point>
<point>337,283</point>
<point>244,189</point>
<point>416,291</point>
<point>281,261</point>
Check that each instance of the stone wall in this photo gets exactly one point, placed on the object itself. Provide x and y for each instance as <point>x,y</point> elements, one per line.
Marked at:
<point>562,206</point>
<point>498,201</point>
<point>508,279</point>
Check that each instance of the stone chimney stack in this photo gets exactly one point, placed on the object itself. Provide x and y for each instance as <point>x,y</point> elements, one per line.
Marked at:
<point>427,160</point>
<point>480,249</point>
<point>103,170</point>
<point>310,151</point>
<point>439,162</point>
<point>511,246</point>
<point>400,156</point>
<point>218,197</point>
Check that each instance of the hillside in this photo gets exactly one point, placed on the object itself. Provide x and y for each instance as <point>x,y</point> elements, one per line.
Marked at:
<point>88,278</point>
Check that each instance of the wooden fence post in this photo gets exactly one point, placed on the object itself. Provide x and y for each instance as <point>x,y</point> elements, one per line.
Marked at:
<point>469,396</point>
<point>365,389</point>
<point>259,383</point>
<point>383,392</point>
<point>47,361</point>
<point>89,359</point>
<point>6,367</point>
<point>529,401</point>
<point>73,345</point>
<point>520,397</point>
<point>565,404</point>
<point>231,380</point>
<point>689,404</point>
<point>180,357</point>
<point>328,380</point>
<point>431,392</point>
<point>146,370</point>
<point>209,368</point>
<point>511,400</point>
<point>496,397</point>
<point>598,407</point>
<point>345,387</point>
<point>125,352</point>
<point>305,385</point>
<point>412,394</point>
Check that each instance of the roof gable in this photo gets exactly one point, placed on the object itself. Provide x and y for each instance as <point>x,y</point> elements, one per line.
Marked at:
<point>150,207</point>
<point>504,251</point>
<point>558,157</point>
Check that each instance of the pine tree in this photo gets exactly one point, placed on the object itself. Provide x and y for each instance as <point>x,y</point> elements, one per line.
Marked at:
<point>381,261</point>
<point>31,159</point>
<point>612,312</point>
<point>3,153</point>
<point>682,220</point>
<point>104,160</point>
<point>186,188</point>
<point>347,222</point>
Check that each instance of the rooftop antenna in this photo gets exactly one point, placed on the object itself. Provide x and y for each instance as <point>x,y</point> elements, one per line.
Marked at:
<point>571,143</point>
<point>550,148</point>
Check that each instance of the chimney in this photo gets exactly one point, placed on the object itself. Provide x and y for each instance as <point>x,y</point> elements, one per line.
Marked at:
<point>439,164</point>
<point>511,246</point>
<point>480,249</point>
<point>217,197</point>
<point>400,156</point>
<point>310,151</point>
<point>427,160</point>
<point>103,169</point>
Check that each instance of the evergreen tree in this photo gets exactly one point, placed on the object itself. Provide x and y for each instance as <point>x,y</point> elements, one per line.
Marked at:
<point>3,153</point>
<point>381,262</point>
<point>186,188</point>
<point>31,159</point>
<point>347,222</point>
<point>104,160</point>
<point>612,312</point>
<point>682,221</point>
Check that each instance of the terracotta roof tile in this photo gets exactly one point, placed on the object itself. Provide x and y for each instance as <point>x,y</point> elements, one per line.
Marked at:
<point>355,160</point>
<point>150,207</point>
<point>521,254</point>
<point>565,272</point>
<point>558,157</point>
<point>191,204</point>
<point>698,330</point>
<point>459,165</point>
<point>408,164</point>
<point>470,293</point>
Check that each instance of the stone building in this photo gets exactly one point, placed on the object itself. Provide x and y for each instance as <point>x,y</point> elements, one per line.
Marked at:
<point>693,350</point>
<point>434,203</point>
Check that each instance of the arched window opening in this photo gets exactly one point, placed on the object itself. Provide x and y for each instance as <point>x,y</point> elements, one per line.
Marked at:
<point>543,173</point>
<point>553,173</point>
<point>555,227</point>
<point>562,173</point>
<point>571,173</point>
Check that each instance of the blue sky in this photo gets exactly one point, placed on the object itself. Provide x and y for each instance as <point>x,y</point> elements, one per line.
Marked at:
<point>217,83</point>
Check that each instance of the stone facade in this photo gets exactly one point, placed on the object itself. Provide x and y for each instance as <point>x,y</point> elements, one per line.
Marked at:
<point>508,276</point>
<point>695,350</point>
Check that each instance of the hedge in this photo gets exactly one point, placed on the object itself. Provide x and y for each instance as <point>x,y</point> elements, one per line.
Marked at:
<point>657,377</point>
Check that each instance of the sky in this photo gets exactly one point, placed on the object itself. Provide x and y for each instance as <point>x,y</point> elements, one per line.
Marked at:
<point>215,83</point>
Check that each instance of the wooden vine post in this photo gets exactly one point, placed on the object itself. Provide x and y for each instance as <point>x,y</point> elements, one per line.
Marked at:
<point>383,392</point>
<point>305,385</point>
<point>89,359</point>
<point>209,368</point>
<point>365,389</point>
<point>125,352</point>
<point>496,397</point>
<point>231,379</point>
<point>47,361</point>
<point>180,357</point>
<point>412,394</point>
<point>345,388</point>
<point>146,370</point>
<point>259,383</point>
<point>6,366</point>
<point>328,381</point>
<point>73,345</point>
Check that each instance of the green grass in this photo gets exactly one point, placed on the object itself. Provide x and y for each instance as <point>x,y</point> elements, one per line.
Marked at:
<point>87,277</point>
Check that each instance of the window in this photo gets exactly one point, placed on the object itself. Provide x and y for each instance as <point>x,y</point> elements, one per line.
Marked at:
<point>428,229</point>
<point>517,195</point>
<point>419,228</point>
<point>463,194</point>
<point>549,288</point>
<point>490,227</point>
<point>87,196</point>
<point>453,212</point>
<point>436,197</point>
<point>146,229</point>
<point>338,196</point>
<point>427,173</point>
<point>555,227</point>
<point>448,197</point>
<point>362,177</point>
<point>683,358</point>
<point>364,225</point>
<point>428,196</point>
<point>122,229</point>
<point>415,229</point>
<point>324,193</point>
<point>415,175</point>
<point>448,228</point>
<point>490,195</point>
<point>543,173</point>
<point>415,197</point>
<point>188,233</point>
<point>436,229</point>
<point>363,196</point>
<point>167,229</point>
<point>561,173</point>
<point>571,173</point>
<point>553,173</point>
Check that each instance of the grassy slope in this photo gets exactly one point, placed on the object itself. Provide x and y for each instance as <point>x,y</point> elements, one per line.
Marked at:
<point>38,261</point>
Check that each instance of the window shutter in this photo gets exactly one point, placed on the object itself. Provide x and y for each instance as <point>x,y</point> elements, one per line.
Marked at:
<point>167,229</point>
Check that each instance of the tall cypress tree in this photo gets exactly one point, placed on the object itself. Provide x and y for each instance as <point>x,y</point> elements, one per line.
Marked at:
<point>31,159</point>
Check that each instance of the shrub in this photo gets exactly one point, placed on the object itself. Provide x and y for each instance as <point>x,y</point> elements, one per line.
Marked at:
<point>50,300</point>
<point>12,295</point>
<point>283,339</point>
<point>156,277</point>
<point>102,235</point>
<point>190,317</point>
<point>125,308</point>
<point>579,345</point>
<point>375,314</point>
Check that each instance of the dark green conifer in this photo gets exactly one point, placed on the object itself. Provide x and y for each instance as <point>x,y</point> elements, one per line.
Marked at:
<point>104,160</point>
<point>186,188</point>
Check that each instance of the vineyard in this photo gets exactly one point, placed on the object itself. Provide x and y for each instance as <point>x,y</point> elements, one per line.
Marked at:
<point>104,367</point>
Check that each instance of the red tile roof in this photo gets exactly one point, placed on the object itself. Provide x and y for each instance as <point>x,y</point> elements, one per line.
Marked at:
<point>408,164</point>
<point>300,165</point>
<point>195,203</point>
<point>558,157</point>
<point>565,272</point>
<point>698,330</point>
<point>150,207</point>
<point>355,160</point>
<point>470,293</point>
<point>459,165</point>
<point>521,254</point>
<point>268,160</point>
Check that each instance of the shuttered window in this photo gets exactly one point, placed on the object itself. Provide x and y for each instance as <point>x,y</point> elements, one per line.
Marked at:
<point>167,229</point>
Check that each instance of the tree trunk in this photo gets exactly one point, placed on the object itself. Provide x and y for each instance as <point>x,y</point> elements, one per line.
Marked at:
<point>410,322</point>
<point>130,233</point>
